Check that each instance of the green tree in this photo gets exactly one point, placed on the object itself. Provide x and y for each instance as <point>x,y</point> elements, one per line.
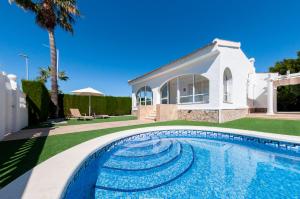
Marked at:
<point>48,15</point>
<point>45,73</point>
<point>293,65</point>
<point>288,96</point>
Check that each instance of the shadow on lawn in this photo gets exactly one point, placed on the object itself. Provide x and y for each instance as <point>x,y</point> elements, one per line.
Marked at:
<point>17,157</point>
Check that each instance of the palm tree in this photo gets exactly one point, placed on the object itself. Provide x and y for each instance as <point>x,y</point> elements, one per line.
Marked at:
<point>45,73</point>
<point>48,15</point>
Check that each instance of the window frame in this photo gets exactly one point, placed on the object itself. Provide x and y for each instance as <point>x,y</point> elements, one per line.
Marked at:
<point>193,95</point>
<point>228,92</point>
<point>142,98</point>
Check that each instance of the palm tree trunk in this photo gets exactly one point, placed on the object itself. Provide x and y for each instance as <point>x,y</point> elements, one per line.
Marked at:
<point>54,85</point>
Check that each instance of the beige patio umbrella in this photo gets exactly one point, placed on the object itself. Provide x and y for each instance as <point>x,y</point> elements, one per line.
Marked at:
<point>88,92</point>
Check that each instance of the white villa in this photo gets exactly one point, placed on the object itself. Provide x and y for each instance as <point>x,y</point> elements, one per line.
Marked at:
<point>216,83</point>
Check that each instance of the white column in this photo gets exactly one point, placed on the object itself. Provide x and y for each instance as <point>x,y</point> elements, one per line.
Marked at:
<point>275,99</point>
<point>270,96</point>
<point>133,100</point>
<point>155,96</point>
<point>193,88</point>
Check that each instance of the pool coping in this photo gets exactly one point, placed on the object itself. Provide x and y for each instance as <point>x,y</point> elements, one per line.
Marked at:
<point>49,179</point>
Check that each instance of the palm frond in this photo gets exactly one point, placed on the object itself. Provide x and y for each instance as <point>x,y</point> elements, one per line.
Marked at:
<point>44,74</point>
<point>66,12</point>
<point>63,76</point>
<point>25,4</point>
<point>48,16</point>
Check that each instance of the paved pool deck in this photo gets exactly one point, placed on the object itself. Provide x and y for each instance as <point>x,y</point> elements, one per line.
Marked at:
<point>280,115</point>
<point>40,132</point>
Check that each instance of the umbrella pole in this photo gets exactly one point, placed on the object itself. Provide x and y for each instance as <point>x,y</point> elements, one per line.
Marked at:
<point>89,105</point>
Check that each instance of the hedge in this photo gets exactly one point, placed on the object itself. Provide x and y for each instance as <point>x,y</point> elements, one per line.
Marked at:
<point>38,101</point>
<point>40,106</point>
<point>100,105</point>
<point>288,98</point>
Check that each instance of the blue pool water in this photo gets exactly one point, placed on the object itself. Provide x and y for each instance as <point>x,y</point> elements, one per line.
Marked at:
<point>172,165</point>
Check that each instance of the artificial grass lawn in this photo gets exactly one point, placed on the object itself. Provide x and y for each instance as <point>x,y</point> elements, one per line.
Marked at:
<point>111,119</point>
<point>76,121</point>
<point>19,156</point>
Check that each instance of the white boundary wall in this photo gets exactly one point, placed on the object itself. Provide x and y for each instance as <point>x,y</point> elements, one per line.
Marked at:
<point>13,109</point>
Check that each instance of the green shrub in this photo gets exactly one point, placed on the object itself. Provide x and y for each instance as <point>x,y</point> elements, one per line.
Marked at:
<point>100,105</point>
<point>38,101</point>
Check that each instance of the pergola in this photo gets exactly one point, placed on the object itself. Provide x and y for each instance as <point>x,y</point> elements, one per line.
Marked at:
<point>279,80</point>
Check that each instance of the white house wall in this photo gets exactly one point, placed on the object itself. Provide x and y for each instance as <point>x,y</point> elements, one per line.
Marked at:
<point>240,67</point>
<point>257,90</point>
<point>208,68</point>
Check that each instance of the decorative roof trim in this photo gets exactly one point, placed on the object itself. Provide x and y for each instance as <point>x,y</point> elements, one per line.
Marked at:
<point>169,67</point>
<point>164,70</point>
<point>226,43</point>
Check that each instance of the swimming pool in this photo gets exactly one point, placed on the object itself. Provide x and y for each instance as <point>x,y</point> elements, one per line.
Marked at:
<point>189,164</point>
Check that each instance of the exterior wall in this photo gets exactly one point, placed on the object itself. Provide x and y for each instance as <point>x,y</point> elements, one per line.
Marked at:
<point>258,92</point>
<point>199,115</point>
<point>144,111</point>
<point>232,114</point>
<point>166,112</point>
<point>134,113</point>
<point>208,68</point>
<point>240,67</point>
<point>13,114</point>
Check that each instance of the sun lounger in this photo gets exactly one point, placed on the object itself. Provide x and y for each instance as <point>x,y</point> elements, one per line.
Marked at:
<point>76,114</point>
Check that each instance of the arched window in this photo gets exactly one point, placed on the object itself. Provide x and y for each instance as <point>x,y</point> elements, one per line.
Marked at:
<point>227,86</point>
<point>144,96</point>
<point>192,88</point>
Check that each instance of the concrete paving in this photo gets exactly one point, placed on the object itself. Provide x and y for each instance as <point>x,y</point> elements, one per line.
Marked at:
<point>281,116</point>
<point>40,132</point>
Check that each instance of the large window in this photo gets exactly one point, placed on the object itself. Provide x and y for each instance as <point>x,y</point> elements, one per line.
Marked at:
<point>165,93</point>
<point>201,89</point>
<point>144,96</point>
<point>227,86</point>
<point>186,88</point>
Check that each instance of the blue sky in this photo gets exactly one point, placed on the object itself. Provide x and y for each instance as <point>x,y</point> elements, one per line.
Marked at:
<point>115,41</point>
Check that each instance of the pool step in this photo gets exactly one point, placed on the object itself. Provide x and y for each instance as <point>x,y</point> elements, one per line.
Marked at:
<point>138,140</point>
<point>142,145</point>
<point>141,180</point>
<point>144,164</point>
<point>159,147</point>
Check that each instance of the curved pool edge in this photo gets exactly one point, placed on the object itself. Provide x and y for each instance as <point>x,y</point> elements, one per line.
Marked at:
<point>50,178</point>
